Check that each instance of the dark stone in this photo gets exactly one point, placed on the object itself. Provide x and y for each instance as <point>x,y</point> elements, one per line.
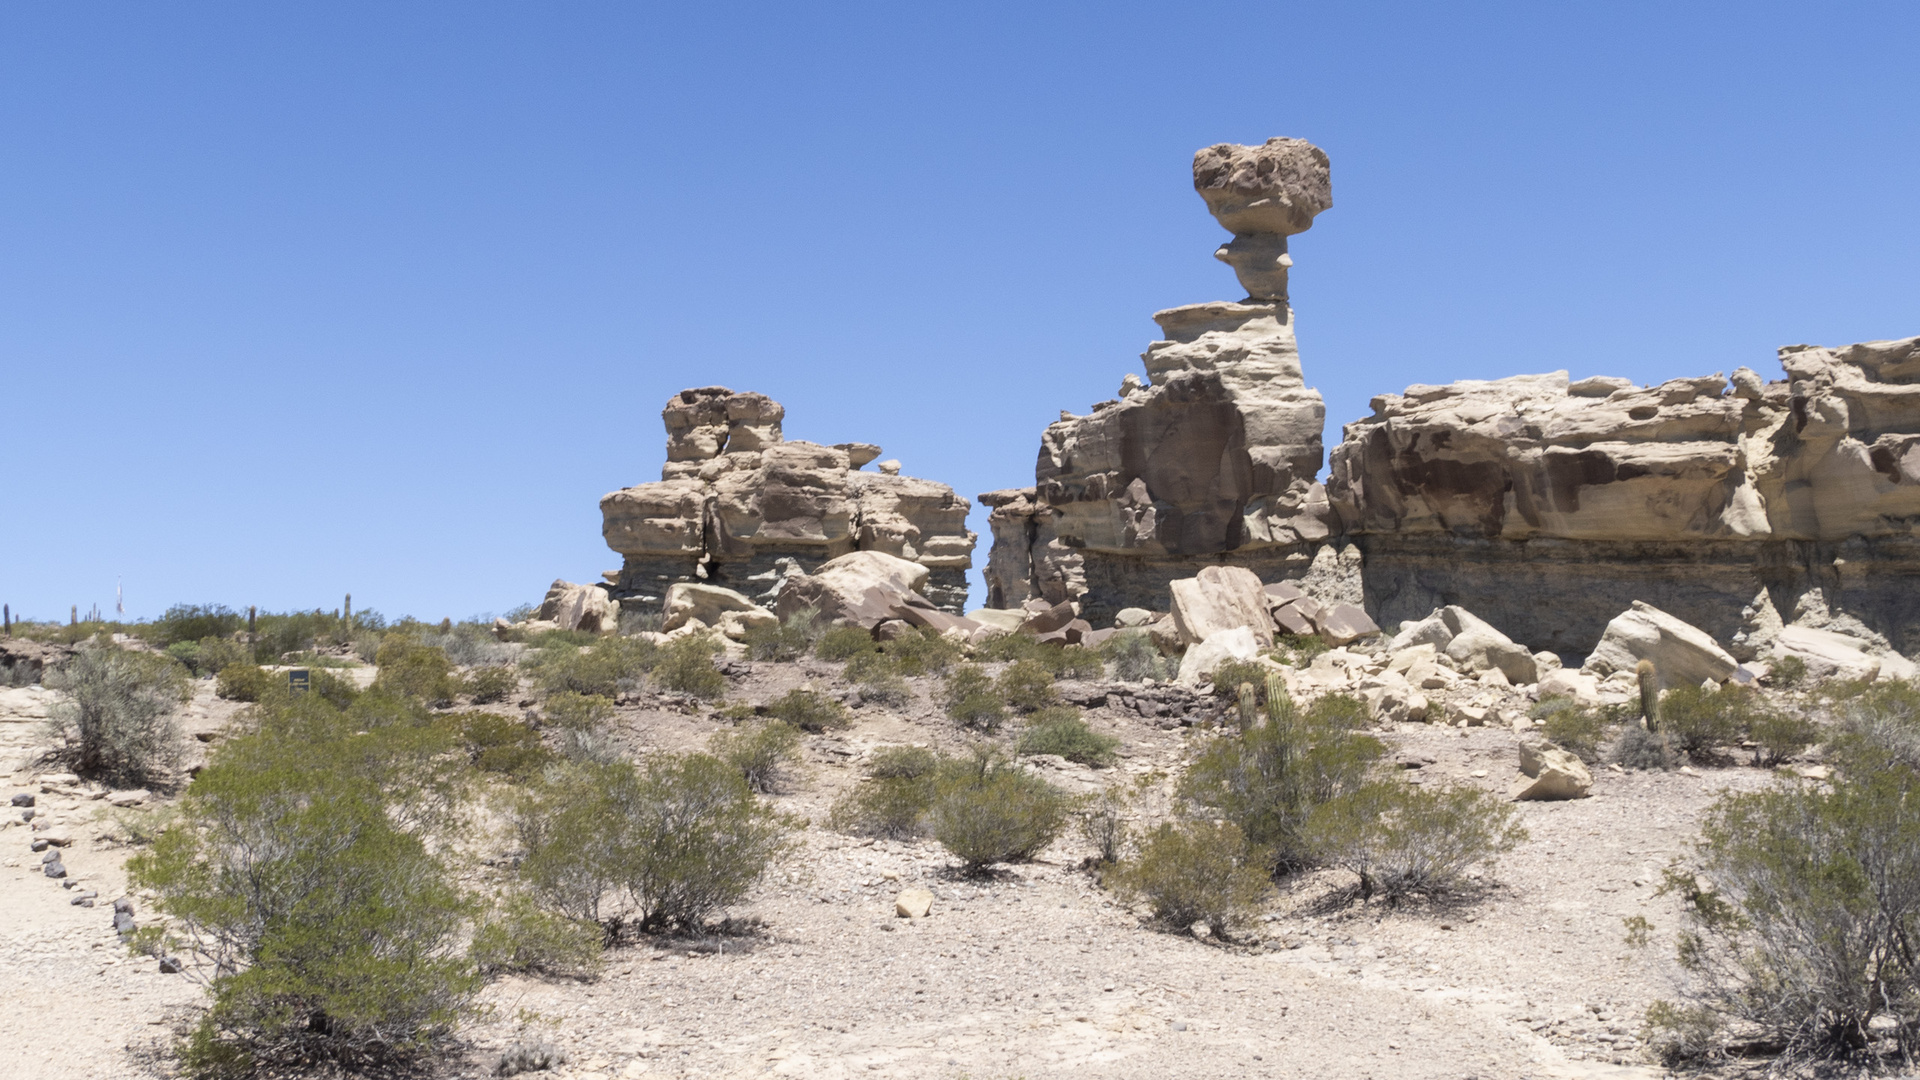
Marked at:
<point>38,843</point>
<point>170,965</point>
<point>54,870</point>
<point>23,799</point>
<point>122,923</point>
<point>124,905</point>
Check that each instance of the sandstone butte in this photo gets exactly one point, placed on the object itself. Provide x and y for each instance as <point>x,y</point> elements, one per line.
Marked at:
<point>1543,504</point>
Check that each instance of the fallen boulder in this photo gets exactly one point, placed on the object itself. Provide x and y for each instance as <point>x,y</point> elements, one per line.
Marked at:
<point>1828,655</point>
<point>1470,642</point>
<point>686,600</point>
<point>579,607</point>
<point>1342,624</point>
<point>1217,599</point>
<point>1550,773</point>
<point>1203,659</point>
<point>1682,654</point>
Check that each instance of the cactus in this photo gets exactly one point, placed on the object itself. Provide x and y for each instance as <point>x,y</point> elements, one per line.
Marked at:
<point>1279,705</point>
<point>1649,694</point>
<point>1249,706</point>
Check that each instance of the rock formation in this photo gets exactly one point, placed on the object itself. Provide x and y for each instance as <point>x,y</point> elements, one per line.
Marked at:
<point>1213,457</point>
<point>1543,505</point>
<point>735,499</point>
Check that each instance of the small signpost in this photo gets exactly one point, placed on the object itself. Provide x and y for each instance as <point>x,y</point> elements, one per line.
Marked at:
<point>298,681</point>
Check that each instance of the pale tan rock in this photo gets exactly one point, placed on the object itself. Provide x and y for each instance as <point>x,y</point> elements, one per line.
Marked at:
<point>687,600</point>
<point>913,904</point>
<point>1342,624</point>
<point>1550,773</point>
<point>1128,618</point>
<point>1203,659</point>
<point>1828,655</point>
<point>1682,655</point>
<point>1580,686</point>
<point>1217,599</point>
<point>579,607</point>
<point>1392,699</point>
<point>734,625</point>
<point>997,619</point>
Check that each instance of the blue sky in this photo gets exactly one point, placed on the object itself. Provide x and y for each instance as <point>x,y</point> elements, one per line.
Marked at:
<point>303,299</point>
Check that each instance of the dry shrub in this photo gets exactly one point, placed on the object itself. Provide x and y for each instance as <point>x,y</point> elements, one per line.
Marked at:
<point>1060,730</point>
<point>117,724</point>
<point>1195,871</point>
<point>987,811</point>
<point>1400,839</point>
<point>765,755</point>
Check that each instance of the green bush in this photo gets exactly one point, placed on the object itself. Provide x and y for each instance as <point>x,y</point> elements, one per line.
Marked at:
<point>1228,677</point>
<point>1061,731</point>
<point>1067,661</point>
<point>1700,721</point>
<point>1135,657</point>
<point>1268,779</point>
<point>1193,872</point>
<point>501,744</point>
<point>844,643</point>
<point>1803,902</point>
<point>415,670</point>
<point>1103,822</point>
<point>685,665</point>
<point>902,762</point>
<point>520,938</point>
<point>185,623</point>
<point>788,639</point>
<point>604,668</point>
<point>809,711</point>
<point>888,807</point>
<point>877,677</point>
<point>491,684</point>
<point>1566,724</point>
<point>209,655</point>
<point>1302,648</point>
<point>1338,711</point>
<point>1400,839</point>
<point>117,723</point>
<point>1026,685</point>
<point>301,872</point>
<point>972,700</point>
<point>1638,748</point>
<point>987,812</point>
<point>678,838</point>
<point>582,712</point>
<point>247,682</point>
<point>922,652</point>
<point>764,755</point>
<point>1787,672</point>
<point>1778,737</point>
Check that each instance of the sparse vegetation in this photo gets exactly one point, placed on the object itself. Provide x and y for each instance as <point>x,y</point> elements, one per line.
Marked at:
<point>1060,730</point>
<point>491,684</point>
<point>844,643</point>
<point>685,666</point>
<point>788,639</point>
<point>605,667</point>
<point>810,711</point>
<point>520,937</point>
<point>1638,748</point>
<point>117,723</point>
<point>765,755</point>
<point>1399,839</point>
<point>892,804</point>
<point>1578,730</point>
<point>1026,685</point>
<point>500,744</point>
<point>972,700</point>
<point>415,670</point>
<point>1135,657</point>
<point>987,811</point>
<point>1699,722</point>
<point>1788,672</point>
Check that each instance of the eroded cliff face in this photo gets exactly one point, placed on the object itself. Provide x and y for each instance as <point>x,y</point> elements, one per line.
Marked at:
<point>1542,504</point>
<point>735,498</point>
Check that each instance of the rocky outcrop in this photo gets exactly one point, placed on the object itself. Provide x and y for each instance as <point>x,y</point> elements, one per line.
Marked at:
<point>735,498</point>
<point>1214,453</point>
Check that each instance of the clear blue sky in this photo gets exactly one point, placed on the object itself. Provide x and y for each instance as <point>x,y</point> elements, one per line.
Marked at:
<point>382,297</point>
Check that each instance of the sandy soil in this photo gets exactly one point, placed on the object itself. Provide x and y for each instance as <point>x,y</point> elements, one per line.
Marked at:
<point>1034,973</point>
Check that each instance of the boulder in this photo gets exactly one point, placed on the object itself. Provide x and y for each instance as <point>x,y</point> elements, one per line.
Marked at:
<point>687,600</point>
<point>1578,685</point>
<point>1344,623</point>
<point>733,625</point>
<point>579,607</point>
<point>1469,641</point>
<point>1128,618</point>
<point>1682,655</point>
<point>913,904</point>
<point>1550,773</point>
<point>1217,599</point>
<point>1203,659</point>
<point>1005,621</point>
<point>1293,620</point>
<point>1392,699</point>
<point>1828,655</point>
<point>862,588</point>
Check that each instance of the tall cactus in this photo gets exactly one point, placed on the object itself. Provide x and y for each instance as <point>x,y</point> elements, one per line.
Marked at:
<point>1249,706</point>
<point>1279,703</point>
<point>1649,693</point>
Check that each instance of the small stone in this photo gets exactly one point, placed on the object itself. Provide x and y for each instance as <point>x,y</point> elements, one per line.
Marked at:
<point>83,898</point>
<point>913,904</point>
<point>54,870</point>
<point>1201,931</point>
<point>170,965</point>
<point>128,798</point>
<point>1179,1025</point>
<point>124,905</point>
<point>24,798</point>
<point>122,923</point>
<point>50,856</point>
<point>39,843</point>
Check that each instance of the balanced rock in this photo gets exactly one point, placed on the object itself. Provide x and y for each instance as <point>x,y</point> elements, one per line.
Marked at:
<point>1220,598</point>
<point>578,607</point>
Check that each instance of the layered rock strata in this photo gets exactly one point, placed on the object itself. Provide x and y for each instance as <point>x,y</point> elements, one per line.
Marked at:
<point>735,498</point>
<point>1215,452</point>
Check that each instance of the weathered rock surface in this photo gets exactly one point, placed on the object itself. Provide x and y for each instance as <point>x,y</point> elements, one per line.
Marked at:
<point>1551,773</point>
<point>686,601</point>
<point>1220,598</point>
<point>865,589</point>
<point>1682,654</point>
<point>568,606</point>
<point>735,497</point>
<point>1203,659</point>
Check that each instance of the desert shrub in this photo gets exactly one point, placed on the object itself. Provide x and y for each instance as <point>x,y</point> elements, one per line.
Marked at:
<point>809,711</point>
<point>1060,730</point>
<point>1026,685</point>
<point>1638,748</point>
<point>922,652</point>
<point>1195,871</point>
<point>605,667</point>
<point>844,643</point>
<point>1339,711</point>
<point>1802,904</point>
<point>301,872</point>
<point>278,633</point>
<point>902,763</point>
<point>1301,648</point>
<point>1068,661</point>
<point>876,678</point>
<point>889,807</point>
<point>677,838</point>
<point>1077,662</point>
<point>553,639</point>
<point>117,724</point>
<point>491,684</point>
<point>1566,724</point>
<point>184,623</point>
<point>470,644</point>
<point>1400,839</point>
<point>246,682</point>
<point>415,670</point>
<point>520,937</point>
<point>1778,736</point>
<point>1228,677</point>
<point>501,744</point>
<point>1788,672</point>
<point>579,711</point>
<point>208,655</point>
<point>1135,657</point>
<point>764,755</point>
<point>1103,823</point>
<point>972,700</point>
<point>987,811</point>
<point>788,639</point>
<point>685,665</point>
<point>1267,779</point>
<point>1700,721</point>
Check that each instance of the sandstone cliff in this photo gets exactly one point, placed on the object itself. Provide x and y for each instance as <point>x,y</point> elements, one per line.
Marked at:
<point>735,498</point>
